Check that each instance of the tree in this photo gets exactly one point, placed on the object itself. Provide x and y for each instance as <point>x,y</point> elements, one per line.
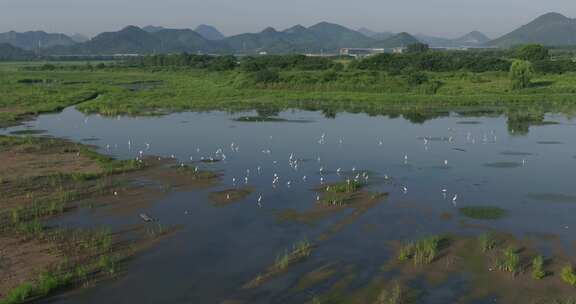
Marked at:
<point>417,48</point>
<point>521,73</point>
<point>533,52</point>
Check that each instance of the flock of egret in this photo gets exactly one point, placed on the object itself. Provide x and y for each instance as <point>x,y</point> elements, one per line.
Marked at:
<point>294,163</point>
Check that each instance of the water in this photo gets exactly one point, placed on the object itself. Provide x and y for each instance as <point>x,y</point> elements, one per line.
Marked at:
<point>219,249</point>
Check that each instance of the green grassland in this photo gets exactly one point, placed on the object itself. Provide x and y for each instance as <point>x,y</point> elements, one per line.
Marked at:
<point>139,91</point>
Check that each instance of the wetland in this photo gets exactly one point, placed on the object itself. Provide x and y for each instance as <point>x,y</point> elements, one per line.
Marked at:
<point>107,194</point>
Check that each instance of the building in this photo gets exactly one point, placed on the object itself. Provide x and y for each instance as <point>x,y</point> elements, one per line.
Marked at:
<point>361,52</point>
<point>399,50</point>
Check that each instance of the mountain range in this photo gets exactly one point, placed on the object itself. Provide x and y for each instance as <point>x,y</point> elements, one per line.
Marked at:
<point>472,39</point>
<point>550,29</point>
<point>322,37</point>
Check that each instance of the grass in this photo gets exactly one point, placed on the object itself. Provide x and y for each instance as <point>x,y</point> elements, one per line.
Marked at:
<point>487,242</point>
<point>538,271</point>
<point>483,212</point>
<point>394,296</point>
<point>104,92</point>
<point>299,251</point>
<point>196,172</point>
<point>421,252</point>
<point>348,186</point>
<point>509,261</point>
<point>60,278</point>
<point>568,275</point>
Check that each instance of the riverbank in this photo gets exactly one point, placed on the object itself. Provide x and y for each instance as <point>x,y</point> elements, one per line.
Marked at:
<point>46,178</point>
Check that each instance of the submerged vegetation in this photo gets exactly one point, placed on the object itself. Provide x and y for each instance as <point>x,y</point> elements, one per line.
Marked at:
<point>299,251</point>
<point>483,212</point>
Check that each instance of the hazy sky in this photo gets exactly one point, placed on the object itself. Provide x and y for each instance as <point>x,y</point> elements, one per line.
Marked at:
<point>435,17</point>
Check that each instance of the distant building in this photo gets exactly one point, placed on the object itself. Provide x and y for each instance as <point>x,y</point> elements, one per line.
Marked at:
<point>399,50</point>
<point>360,52</point>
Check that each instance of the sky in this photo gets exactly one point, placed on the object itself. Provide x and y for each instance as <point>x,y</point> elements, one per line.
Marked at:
<point>447,18</point>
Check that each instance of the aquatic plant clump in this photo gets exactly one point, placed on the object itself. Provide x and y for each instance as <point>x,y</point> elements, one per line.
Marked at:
<point>538,272</point>
<point>568,275</point>
<point>509,261</point>
<point>421,252</point>
<point>299,251</point>
<point>196,172</point>
<point>487,242</point>
<point>348,186</point>
<point>483,212</point>
<point>394,296</point>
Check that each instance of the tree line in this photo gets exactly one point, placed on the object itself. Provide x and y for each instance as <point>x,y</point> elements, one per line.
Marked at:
<point>418,57</point>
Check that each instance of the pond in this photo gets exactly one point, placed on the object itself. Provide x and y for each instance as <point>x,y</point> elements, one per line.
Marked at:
<point>429,170</point>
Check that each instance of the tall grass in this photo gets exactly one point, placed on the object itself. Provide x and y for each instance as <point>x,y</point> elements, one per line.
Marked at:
<point>568,275</point>
<point>421,252</point>
<point>395,296</point>
<point>538,272</point>
<point>509,261</point>
<point>299,251</point>
<point>486,242</point>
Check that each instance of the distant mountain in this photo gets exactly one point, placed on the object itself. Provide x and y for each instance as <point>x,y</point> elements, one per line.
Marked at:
<point>10,52</point>
<point>79,38</point>
<point>35,40</point>
<point>375,35</point>
<point>398,40</point>
<point>334,36</point>
<point>209,32</point>
<point>471,39</point>
<point>383,35</point>
<point>322,37</point>
<point>153,28</point>
<point>552,29</point>
<point>366,32</point>
<point>133,39</point>
<point>434,41</point>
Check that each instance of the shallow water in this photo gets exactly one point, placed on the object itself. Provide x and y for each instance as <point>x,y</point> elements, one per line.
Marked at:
<point>219,249</point>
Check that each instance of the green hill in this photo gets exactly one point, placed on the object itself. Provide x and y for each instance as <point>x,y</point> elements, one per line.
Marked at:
<point>132,39</point>
<point>35,39</point>
<point>10,52</point>
<point>322,37</point>
<point>398,40</point>
<point>551,29</point>
<point>209,32</point>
